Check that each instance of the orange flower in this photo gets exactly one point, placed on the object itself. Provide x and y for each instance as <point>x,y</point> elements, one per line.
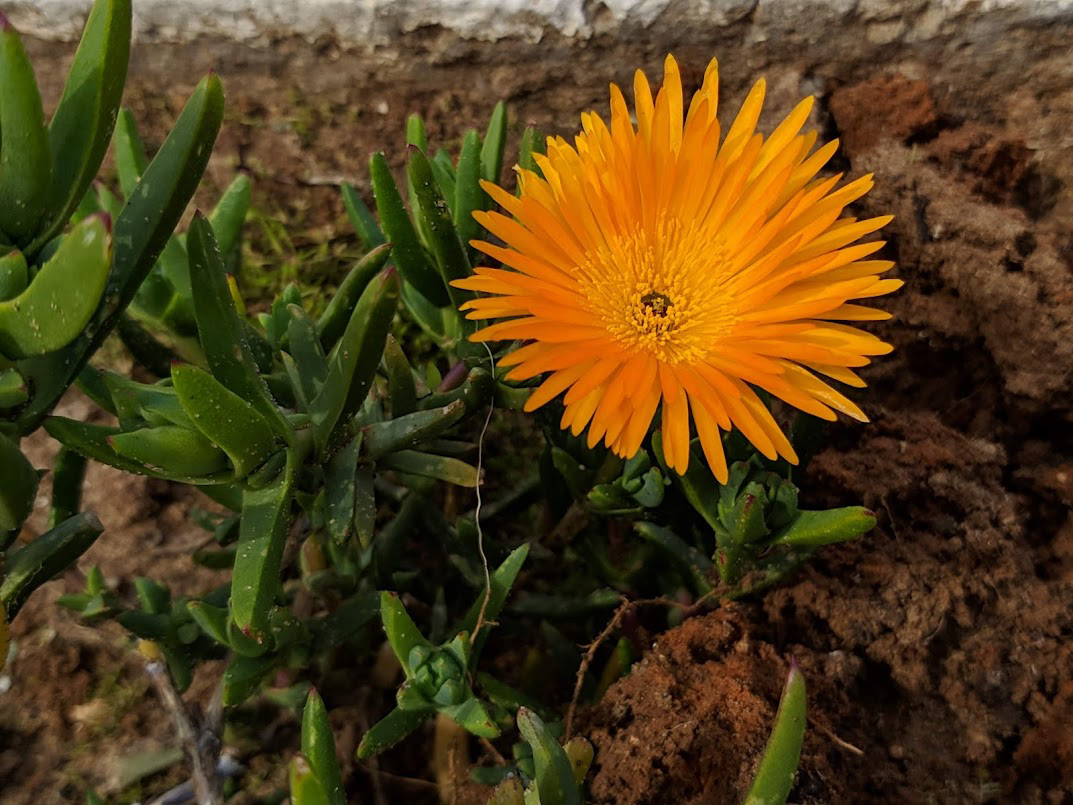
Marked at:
<point>655,266</point>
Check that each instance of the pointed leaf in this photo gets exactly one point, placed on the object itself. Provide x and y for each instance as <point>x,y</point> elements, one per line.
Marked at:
<point>353,362</point>
<point>408,253</point>
<point>339,487</point>
<point>554,772</point>
<point>61,299</point>
<point>815,528</point>
<point>333,321</point>
<point>501,581</point>
<point>443,468</point>
<point>82,124</point>
<point>495,142</point>
<point>266,517</point>
<point>318,746</point>
<point>224,418</point>
<point>54,551</point>
<point>18,485</point>
<point>775,777</point>
<point>25,161</point>
<point>141,230</point>
<point>361,218</point>
<point>411,430</point>
<point>391,729</point>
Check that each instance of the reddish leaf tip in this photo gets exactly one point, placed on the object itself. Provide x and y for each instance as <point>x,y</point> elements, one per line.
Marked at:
<point>5,23</point>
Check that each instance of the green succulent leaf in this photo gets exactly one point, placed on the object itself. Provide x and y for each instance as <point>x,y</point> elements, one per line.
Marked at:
<point>336,316</point>
<point>554,779</point>
<point>14,275</point>
<point>18,485</point>
<point>391,729</point>
<point>502,579</point>
<point>243,676</point>
<point>229,215</point>
<point>306,788</point>
<point>469,195</point>
<point>25,159</point>
<point>400,379</point>
<point>472,716</point>
<point>224,418</point>
<point>262,534</point>
<point>409,255</point>
<point>211,619</point>
<point>532,143</point>
<point>68,474</point>
<point>813,529</point>
<point>410,430</point>
<point>141,231</point>
<point>361,218</point>
<point>444,240</point>
<point>775,777</point>
<point>353,362</point>
<point>95,442</point>
<point>174,450</point>
<point>13,389</point>
<point>318,746</point>
<point>61,299</point>
<point>340,488</point>
<point>402,633</point>
<point>222,332</point>
<point>495,143</point>
<point>442,468</point>
<point>310,362</point>
<point>131,159</point>
<point>31,566</point>
<point>82,124</point>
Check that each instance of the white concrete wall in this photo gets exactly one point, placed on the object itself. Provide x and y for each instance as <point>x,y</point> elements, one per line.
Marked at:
<point>371,23</point>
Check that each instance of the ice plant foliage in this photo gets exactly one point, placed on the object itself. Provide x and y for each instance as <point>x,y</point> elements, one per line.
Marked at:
<point>664,265</point>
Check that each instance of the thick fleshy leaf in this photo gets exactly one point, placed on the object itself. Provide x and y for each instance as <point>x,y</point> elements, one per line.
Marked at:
<point>39,561</point>
<point>68,474</point>
<point>444,241</point>
<point>775,777</point>
<point>262,534</point>
<point>333,321</point>
<point>554,772</point>
<point>94,441</point>
<point>224,418</point>
<point>495,143</point>
<point>310,362</point>
<point>18,485</point>
<point>82,124</point>
<point>229,215</point>
<point>131,159</point>
<point>391,729</point>
<point>62,297</point>
<point>400,376</point>
<point>339,487</point>
<point>13,389</point>
<point>361,218</point>
<point>25,161</point>
<point>402,633</point>
<point>469,195</point>
<point>14,275</point>
<point>408,254</point>
<point>353,362</point>
<point>502,579</point>
<point>318,746</point>
<point>443,468</point>
<point>410,430</point>
<point>222,332</point>
<point>812,529</point>
<point>141,230</point>
<point>306,787</point>
<point>175,451</point>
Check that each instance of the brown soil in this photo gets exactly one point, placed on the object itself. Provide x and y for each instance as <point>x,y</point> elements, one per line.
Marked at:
<point>937,648</point>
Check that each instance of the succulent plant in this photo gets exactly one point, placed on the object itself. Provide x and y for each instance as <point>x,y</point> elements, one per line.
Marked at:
<point>64,289</point>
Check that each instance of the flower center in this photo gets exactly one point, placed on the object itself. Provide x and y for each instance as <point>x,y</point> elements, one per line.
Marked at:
<point>657,303</point>
<point>660,291</point>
